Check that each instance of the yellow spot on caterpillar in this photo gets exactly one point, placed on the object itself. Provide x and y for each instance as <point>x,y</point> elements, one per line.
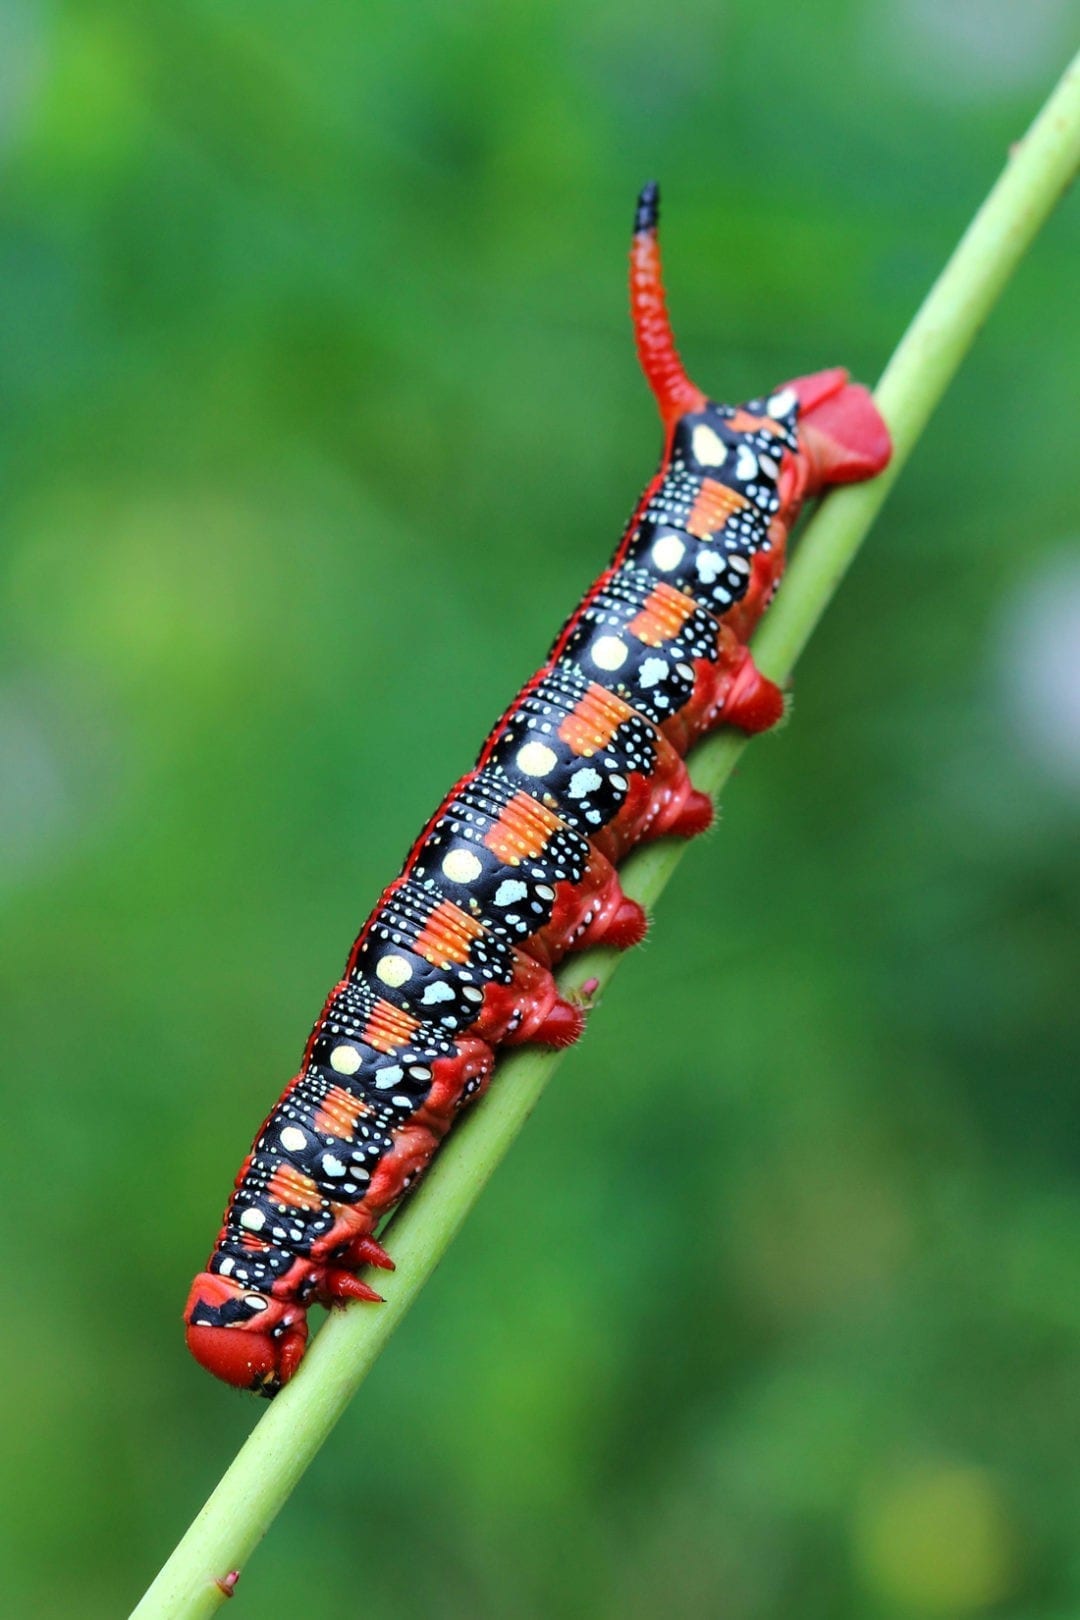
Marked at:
<point>708,447</point>
<point>461,866</point>
<point>393,970</point>
<point>609,653</point>
<point>536,759</point>
<point>668,552</point>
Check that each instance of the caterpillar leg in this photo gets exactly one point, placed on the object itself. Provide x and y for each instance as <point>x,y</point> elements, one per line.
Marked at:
<point>365,1251</point>
<point>530,1008</point>
<point>753,702</point>
<point>336,1287</point>
<point>544,1017</point>
<point>561,1026</point>
<point>617,921</point>
<point>668,805</point>
<point>596,913</point>
<point>694,817</point>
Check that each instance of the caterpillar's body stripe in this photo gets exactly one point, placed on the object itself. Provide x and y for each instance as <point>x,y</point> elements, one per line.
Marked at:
<point>518,865</point>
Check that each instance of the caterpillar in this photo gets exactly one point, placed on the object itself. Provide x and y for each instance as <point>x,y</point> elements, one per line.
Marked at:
<point>518,865</point>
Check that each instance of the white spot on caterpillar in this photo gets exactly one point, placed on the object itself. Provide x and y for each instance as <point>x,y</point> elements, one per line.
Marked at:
<point>668,552</point>
<point>394,971</point>
<point>256,1303</point>
<point>782,403</point>
<point>584,781</point>
<point>707,446</point>
<point>652,670</point>
<point>709,566</point>
<point>346,1059</point>
<point>746,464</point>
<point>332,1166</point>
<point>741,565</point>
<point>253,1220</point>
<point>509,890</point>
<point>439,991</point>
<point>461,866</point>
<point>536,759</point>
<point>293,1140</point>
<point>609,653</point>
<point>226,1267</point>
<point>768,466</point>
<point>389,1076</point>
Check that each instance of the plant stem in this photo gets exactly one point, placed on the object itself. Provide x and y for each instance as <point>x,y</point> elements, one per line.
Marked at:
<point>288,1436</point>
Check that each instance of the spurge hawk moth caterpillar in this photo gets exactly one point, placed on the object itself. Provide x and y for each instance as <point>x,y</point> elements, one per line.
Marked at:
<point>518,865</point>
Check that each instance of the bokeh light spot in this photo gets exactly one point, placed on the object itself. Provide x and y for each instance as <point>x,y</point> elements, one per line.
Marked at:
<point>936,1539</point>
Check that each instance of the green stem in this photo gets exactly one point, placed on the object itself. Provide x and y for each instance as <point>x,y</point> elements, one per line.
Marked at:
<point>290,1433</point>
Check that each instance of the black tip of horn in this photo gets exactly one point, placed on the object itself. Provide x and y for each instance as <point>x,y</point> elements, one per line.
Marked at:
<point>648,208</point>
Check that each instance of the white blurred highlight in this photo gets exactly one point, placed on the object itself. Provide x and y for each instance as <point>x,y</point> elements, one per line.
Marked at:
<point>1037,652</point>
<point>973,49</point>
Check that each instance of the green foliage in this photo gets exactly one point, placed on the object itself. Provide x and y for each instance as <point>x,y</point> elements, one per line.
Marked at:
<point>314,367</point>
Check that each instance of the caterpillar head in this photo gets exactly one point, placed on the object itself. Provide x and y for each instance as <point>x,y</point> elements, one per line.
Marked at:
<point>249,1339</point>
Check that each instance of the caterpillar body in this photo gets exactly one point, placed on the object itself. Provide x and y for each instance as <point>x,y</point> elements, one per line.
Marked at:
<point>518,865</point>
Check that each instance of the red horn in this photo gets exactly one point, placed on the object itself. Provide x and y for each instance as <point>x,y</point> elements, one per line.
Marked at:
<point>674,392</point>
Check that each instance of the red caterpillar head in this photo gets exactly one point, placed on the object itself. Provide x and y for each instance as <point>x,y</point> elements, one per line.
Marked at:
<point>249,1339</point>
<point>841,436</point>
<point>256,1340</point>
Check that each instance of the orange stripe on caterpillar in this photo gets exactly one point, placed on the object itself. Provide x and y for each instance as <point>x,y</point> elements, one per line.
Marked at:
<point>292,1188</point>
<point>389,1027</point>
<point>714,504</point>
<point>339,1114</point>
<point>662,616</point>
<point>448,936</point>
<point>523,830</point>
<point>594,721</point>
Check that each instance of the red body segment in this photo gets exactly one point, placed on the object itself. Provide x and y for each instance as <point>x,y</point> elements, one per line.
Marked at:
<point>518,865</point>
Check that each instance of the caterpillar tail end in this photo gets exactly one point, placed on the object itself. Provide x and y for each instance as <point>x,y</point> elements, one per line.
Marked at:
<point>841,430</point>
<point>647,213</point>
<point>671,387</point>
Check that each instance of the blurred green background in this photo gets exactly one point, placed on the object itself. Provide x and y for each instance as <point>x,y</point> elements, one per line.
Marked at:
<point>319,411</point>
